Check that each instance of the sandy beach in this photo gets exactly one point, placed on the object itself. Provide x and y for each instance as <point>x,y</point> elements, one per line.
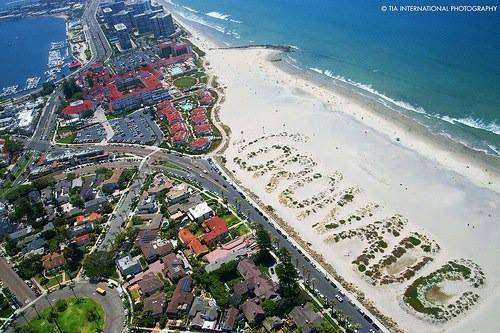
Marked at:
<point>356,185</point>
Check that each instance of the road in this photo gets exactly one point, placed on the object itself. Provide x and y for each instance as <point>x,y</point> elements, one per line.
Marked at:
<point>23,293</point>
<point>111,303</point>
<point>124,206</point>
<point>214,181</point>
<point>101,51</point>
<point>193,169</point>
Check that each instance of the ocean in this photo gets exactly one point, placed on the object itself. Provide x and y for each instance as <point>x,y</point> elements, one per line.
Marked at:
<point>440,68</point>
<point>25,46</point>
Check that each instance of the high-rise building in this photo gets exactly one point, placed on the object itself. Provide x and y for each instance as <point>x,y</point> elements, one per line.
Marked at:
<point>123,36</point>
<point>140,6</point>
<point>122,16</point>
<point>163,25</point>
<point>107,14</point>
<point>143,23</point>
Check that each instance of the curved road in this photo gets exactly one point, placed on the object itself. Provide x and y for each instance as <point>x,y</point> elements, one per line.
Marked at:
<point>111,303</point>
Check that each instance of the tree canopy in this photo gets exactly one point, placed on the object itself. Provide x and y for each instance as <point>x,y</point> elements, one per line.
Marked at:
<point>99,264</point>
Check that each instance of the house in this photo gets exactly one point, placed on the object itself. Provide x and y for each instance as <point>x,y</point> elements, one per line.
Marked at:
<point>200,143</point>
<point>193,243</point>
<point>150,284</point>
<point>203,129</point>
<point>82,240</point>
<point>184,206</point>
<point>155,249</point>
<point>91,218</point>
<point>182,298</point>
<point>173,267</point>
<point>155,304</point>
<point>128,265</point>
<point>6,227</point>
<point>146,236</point>
<point>215,230</point>
<point>53,262</point>
<point>305,318</point>
<point>254,282</point>
<point>273,323</point>
<point>229,319</point>
<point>233,250</point>
<point>37,245</point>
<point>80,229</point>
<point>177,194</point>
<point>113,182</point>
<point>77,183</point>
<point>203,314</point>
<point>20,232</point>
<point>160,184</point>
<point>148,206</point>
<point>253,312</point>
<point>94,205</point>
<point>200,212</point>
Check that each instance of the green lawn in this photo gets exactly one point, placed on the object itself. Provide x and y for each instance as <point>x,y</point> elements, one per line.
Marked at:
<point>185,82</point>
<point>66,135</point>
<point>230,219</point>
<point>242,229</point>
<point>84,316</point>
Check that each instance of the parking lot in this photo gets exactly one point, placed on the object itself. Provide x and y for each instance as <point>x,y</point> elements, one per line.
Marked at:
<point>132,129</point>
<point>91,134</point>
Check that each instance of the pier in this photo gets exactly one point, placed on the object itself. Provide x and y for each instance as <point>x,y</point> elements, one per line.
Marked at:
<point>277,47</point>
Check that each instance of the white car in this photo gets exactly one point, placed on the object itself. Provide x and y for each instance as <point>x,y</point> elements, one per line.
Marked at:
<point>339,298</point>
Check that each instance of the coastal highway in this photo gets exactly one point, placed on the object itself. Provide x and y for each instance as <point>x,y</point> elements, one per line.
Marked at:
<point>204,171</point>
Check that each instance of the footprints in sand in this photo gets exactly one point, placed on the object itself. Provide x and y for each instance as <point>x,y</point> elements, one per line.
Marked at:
<point>387,250</point>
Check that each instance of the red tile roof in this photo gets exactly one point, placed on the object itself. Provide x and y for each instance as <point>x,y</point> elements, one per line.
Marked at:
<point>180,136</point>
<point>192,242</point>
<point>82,238</point>
<point>177,127</point>
<point>199,118</point>
<point>200,143</point>
<point>198,110</point>
<point>216,227</point>
<point>203,128</point>
<point>77,108</point>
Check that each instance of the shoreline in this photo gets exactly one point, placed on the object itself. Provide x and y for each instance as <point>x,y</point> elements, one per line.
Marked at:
<point>479,167</point>
<point>277,101</point>
<point>485,169</point>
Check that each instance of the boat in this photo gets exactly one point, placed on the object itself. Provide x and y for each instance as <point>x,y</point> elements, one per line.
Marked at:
<point>10,90</point>
<point>74,64</point>
<point>32,83</point>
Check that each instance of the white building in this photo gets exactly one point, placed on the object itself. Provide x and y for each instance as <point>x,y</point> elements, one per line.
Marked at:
<point>200,212</point>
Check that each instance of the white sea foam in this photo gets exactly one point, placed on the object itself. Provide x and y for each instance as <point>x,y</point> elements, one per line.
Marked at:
<point>492,127</point>
<point>197,19</point>
<point>474,123</point>
<point>495,149</point>
<point>218,15</point>
<point>190,9</point>
<point>171,3</point>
